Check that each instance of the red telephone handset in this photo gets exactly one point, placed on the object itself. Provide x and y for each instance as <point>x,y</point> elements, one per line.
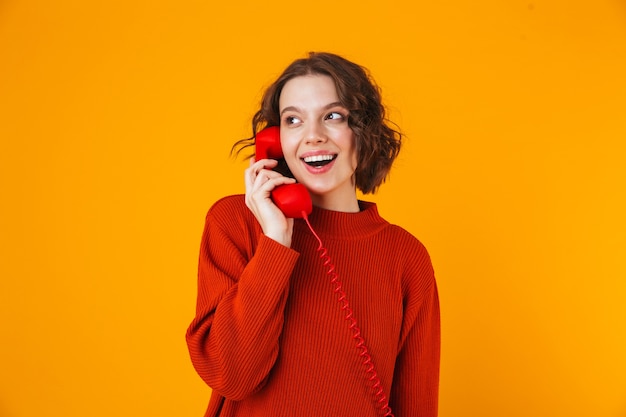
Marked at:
<point>292,199</point>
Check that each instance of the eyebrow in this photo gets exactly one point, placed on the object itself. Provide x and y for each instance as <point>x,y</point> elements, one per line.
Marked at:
<point>326,107</point>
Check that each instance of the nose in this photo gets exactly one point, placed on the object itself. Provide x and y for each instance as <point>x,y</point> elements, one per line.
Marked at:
<point>314,134</point>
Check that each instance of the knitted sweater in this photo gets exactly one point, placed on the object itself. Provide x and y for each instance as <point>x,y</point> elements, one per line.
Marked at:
<point>271,339</point>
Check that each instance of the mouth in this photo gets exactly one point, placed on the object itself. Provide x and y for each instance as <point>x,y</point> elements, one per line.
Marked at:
<point>318,161</point>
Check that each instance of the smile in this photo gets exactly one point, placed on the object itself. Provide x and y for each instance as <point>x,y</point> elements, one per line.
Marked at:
<point>319,160</point>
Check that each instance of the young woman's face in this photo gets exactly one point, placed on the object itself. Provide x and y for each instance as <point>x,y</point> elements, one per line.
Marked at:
<point>317,142</point>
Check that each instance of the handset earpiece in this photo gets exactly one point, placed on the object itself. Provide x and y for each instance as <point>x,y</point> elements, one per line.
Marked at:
<point>292,199</point>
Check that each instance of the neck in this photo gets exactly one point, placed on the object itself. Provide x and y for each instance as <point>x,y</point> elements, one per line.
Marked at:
<point>346,204</point>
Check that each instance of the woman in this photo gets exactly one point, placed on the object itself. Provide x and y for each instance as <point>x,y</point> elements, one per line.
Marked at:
<point>270,337</point>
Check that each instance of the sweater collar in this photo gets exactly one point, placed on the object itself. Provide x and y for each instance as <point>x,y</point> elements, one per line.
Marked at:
<point>342,225</point>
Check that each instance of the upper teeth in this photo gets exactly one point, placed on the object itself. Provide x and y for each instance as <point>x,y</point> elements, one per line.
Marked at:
<point>317,158</point>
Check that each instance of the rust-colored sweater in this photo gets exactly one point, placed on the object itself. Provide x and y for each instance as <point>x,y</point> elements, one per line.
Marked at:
<point>271,339</point>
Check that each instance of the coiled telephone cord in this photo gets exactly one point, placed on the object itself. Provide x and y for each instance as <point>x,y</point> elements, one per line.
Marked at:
<point>371,375</point>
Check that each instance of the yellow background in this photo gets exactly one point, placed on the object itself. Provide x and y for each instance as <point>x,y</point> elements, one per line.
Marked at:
<point>116,119</point>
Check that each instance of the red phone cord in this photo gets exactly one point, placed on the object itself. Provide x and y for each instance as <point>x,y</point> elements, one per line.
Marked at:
<point>371,375</point>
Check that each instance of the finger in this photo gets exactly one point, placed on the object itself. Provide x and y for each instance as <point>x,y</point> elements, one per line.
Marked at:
<point>249,176</point>
<point>257,166</point>
<point>266,183</point>
<point>266,174</point>
<point>258,172</point>
<point>261,179</point>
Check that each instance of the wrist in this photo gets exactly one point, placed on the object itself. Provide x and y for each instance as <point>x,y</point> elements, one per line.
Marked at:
<point>284,238</point>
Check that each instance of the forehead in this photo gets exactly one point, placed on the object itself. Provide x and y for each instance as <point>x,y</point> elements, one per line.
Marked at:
<point>308,90</point>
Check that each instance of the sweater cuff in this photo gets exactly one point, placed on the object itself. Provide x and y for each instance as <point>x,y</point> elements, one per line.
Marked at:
<point>276,257</point>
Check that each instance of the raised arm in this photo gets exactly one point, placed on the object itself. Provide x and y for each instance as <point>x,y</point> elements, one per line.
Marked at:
<point>242,288</point>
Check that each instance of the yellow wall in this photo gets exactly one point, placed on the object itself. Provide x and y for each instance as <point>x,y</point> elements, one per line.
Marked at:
<point>116,119</point>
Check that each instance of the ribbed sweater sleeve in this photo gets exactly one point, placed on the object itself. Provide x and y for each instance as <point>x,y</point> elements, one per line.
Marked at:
<point>243,282</point>
<point>415,388</point>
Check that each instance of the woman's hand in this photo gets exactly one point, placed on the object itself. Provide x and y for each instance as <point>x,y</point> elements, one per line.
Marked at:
<point>260,181</point>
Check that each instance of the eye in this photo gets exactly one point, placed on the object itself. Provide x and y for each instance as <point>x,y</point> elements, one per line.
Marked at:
<point>335,116</point>
<point>291,120</point>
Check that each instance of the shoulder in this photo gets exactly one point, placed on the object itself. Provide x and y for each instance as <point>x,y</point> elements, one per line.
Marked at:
<point>230,220</point>
<point>232,204</point>
<point>411,254</point>
<point>231,213</point>
<point>404,238</point>
<point>396,239</point>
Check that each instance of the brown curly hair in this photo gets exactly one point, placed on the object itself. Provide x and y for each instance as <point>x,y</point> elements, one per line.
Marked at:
<point>377,143</point>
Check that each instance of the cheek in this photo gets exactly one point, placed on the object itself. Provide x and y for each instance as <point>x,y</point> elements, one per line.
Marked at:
<point>353,150</point>
<point>288,146</point>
